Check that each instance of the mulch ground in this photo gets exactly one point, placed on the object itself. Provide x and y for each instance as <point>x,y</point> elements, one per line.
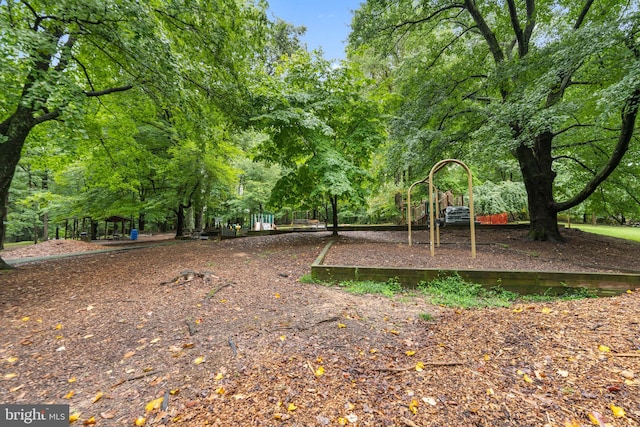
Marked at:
<point>126,338</point>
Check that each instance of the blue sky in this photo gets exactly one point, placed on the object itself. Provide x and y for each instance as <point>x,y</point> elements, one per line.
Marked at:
<point>327,22</point>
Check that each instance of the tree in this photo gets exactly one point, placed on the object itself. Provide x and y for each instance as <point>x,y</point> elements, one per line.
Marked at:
<point>323,131</point>
<point>548,82</point>
<point>56,55</point>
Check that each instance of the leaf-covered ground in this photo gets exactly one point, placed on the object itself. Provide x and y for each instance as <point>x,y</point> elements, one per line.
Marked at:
<point>124,337</point>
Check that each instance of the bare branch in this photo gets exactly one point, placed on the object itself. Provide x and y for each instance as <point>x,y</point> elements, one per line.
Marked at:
<point>108,91</point>
<point>393,28</point>
<point>66,53</point>
<point>50,115</point>
<point>444,48</point>
<point>583,14</point>
<point>486,32</point>
<point>576,160</point>
<point>515,24</point>
<point>568,128</point>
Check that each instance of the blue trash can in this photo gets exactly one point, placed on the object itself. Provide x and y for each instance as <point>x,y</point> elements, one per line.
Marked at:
<point>134,234</point>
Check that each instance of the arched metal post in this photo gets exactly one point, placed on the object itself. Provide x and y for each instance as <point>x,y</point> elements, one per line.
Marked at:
<point>472,227</point>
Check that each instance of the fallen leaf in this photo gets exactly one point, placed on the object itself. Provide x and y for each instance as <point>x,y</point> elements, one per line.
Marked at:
<point>490,392</point>
<point>220,390</point>
<point>10,376</point>
<point>25,319</point>
<point>291,407</point>
<point>90,421</point>
<point>597,419</point>
<point>419,366</point>
<point>74,417</point>
<point>413,406</point>
<point>518,310</point>
<point>72,380</point>
<point>341,325</point>
<point>154,404</point>
<point>571,423</point>
<point>59,326</point>
<point>198,360</point>
<point>277,295</point>
<point>69,395</point>
<point>320,371</point>
<point>107,415</point>
<point>140,421</point>
<point>219,376</point>
<point>98,396</point>
<point>394,332</point>
<point>545,310</point>
<point>283,338</point>
<point>486,357</point>
<point>618,412</point>
<point>155,340</point>
<point>12,359</point>
<point>128,354</point>
<point>604,348</point>
<point>527,378</point>
<point>410,352</point>
<point>629,291</point>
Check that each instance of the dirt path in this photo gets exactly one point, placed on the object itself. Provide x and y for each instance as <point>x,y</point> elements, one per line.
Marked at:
<point>244,343</point>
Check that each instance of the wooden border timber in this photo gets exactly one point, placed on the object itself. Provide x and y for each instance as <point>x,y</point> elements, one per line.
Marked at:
<point>523,282</point>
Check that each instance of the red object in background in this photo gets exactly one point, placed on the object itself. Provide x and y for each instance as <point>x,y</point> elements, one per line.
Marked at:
<point>501,218</point>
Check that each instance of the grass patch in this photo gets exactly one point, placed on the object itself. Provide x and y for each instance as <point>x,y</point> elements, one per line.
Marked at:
<point>427,317</point>
<point>569,294</point>
<point>389,288</point>
<point>18,244</point>
<point>307,278</point>
<point>453,291</point>
<point>628,233</point>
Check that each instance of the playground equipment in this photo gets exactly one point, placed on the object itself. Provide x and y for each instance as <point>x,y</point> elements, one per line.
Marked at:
<point>432,222</point>
<point>262,221</point>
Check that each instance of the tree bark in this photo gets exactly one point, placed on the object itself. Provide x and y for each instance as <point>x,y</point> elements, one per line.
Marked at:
<point>334,208</point>
<point>15,129</point>
<point>180,221</point>
<point>538,175</point>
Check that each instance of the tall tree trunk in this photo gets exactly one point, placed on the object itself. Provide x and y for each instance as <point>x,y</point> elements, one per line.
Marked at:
<point>180,221</point>
<point>45,215</point>
<point>141,222</point>
<point>334,208</point>
<point>538,175</point>
<point>15,129</point>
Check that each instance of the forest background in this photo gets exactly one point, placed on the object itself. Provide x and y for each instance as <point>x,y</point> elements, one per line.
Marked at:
<point>179,114</point>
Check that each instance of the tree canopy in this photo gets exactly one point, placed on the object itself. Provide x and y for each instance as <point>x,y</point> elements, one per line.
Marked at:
<point>553,83</point>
